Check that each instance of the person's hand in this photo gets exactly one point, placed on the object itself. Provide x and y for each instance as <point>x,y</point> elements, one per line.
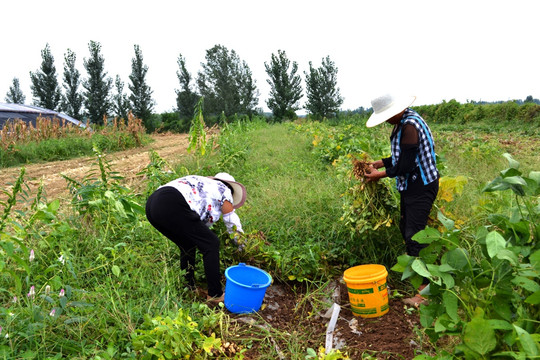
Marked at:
<point>373,174</point>
<point>377,164</point>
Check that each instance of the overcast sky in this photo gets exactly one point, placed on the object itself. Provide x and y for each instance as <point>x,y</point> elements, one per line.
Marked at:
<point>436,50</point>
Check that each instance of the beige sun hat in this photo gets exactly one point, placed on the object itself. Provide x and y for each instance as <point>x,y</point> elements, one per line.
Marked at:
<point>239,193</point>
<point>386,106</point>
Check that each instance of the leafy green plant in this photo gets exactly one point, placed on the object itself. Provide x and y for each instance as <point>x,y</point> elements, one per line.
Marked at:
<point>233,144</point>
<point>485,286</point>
<point>101,196</point>
<point>197,133</point>
<point>179,336</point>
<point>334,354</point>
<point>159,172</point>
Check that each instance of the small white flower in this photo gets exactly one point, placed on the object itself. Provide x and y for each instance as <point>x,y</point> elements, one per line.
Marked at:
<point>53,311</point>
<point>14,299</point>
<point>62,259</point>
<point>11,314</point>
<point>32,256</point>
<point>47,289</point>
<point>7,336</point>
<point>32,292</point>
<point>62,293</point>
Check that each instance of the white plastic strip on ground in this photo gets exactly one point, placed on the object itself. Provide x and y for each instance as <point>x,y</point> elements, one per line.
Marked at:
<point>331,326</point>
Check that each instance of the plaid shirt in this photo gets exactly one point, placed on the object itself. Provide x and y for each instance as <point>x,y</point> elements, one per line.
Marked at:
<point>425,160</point>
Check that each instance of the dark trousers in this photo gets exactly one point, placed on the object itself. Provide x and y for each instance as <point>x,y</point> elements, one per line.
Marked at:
<point>169,213</point>
<point>416,203</point>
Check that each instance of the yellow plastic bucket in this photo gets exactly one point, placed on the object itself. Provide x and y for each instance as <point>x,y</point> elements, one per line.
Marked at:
<point>367,289</point>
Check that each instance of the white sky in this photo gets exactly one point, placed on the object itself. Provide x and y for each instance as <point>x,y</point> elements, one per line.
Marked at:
<point>436,50</point>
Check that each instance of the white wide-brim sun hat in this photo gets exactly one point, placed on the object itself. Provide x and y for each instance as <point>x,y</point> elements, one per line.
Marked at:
<point>239,193</point>
<point>386,106</point>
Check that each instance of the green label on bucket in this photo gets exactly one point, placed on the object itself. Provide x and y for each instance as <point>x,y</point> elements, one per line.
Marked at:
<point>360,291</point>
<point>370,311</point>
<point>382,287</point>
<point>384,307</point>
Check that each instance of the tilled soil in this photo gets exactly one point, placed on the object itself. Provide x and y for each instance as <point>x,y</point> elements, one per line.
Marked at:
<point>126,163</point>
<point>287,313</point>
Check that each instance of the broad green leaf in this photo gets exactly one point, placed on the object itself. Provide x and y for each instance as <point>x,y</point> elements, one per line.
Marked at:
<point>402,263</point>
<point>494,243</point>
<point>499,324</point>
<point>446,268</point>
<point>511,162</point>
<point>526,283</point>
<point>448,280</point>
<point>457,258</point>
<point>510,172</point>
<point>435,273</point>
<point>443,323</point>
<point>450,302</point>
<point>527,342</point>
<point>416,281</point>
<point>120,209</point>
<point>427,236</point>
<point>420,268</point>
<point>407,273</point>
<point>496,185</point>
<point>535,260</point>
<point>447,223</point>
<point>535,175</point>
<point>54,205</point>
<point>116,270</point>
<point>479,336</point>
<point>533,299</point>
<point>502,307</point>
<point>506,254</point>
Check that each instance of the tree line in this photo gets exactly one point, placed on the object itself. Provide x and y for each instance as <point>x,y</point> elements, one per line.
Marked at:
<point>224,80</point>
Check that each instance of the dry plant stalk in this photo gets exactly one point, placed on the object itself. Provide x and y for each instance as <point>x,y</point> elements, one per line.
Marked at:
<point>19,132</point>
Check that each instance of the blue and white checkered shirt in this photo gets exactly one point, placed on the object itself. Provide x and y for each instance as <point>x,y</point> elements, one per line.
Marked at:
<point>425,160</point>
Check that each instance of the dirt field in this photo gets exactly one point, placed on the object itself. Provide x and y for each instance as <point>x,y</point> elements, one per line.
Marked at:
<point>127,163</point>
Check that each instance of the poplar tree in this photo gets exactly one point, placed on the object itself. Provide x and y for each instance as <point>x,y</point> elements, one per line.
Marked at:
<point>120,104</point>
<point>45,88</point>
<point>97,85</point>
<point>141,94</point>
<point>186,99</point>
<point>226,83</point>
<point>15,95</point>
<point>72,100</point>
<point>323,94</point>
<point>285,86</point>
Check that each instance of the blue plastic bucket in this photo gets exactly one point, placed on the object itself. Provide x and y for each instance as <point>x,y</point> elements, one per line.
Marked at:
<point>245,288</point>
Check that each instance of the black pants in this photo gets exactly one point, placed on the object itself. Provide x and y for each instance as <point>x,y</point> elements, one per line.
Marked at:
<point>169,213</point>
<point>416,203</point>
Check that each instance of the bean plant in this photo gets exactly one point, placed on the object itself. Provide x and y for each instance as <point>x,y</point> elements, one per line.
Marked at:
<point>485,283</point>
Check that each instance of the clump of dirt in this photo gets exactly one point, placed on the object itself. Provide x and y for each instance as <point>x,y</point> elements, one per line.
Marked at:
<point>288,310</point>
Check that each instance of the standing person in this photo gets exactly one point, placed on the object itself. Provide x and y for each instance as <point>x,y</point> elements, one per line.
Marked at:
<point>184,210</point>
<point>412,163</point>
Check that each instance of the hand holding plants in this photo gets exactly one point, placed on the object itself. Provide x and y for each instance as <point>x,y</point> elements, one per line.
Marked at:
<point>372,174</point>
